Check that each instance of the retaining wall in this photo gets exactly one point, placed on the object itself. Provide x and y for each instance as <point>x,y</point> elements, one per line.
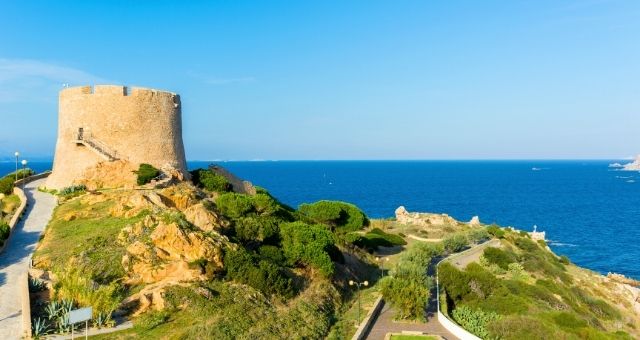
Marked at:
<point>365,325</point>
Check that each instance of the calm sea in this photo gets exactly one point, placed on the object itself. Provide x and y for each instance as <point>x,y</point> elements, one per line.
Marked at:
<point>590,212</point>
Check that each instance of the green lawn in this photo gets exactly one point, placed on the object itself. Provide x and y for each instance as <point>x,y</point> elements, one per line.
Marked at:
<point>412,337</point>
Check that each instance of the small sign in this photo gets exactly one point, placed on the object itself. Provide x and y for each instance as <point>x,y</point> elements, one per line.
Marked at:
<point>80,315</point>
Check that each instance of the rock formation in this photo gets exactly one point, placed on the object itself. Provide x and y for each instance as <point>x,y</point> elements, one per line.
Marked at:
<point>475,221</point>
<point>423,219</point>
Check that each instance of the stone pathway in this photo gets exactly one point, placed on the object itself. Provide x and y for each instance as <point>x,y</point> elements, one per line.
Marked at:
<point>384,324</point>
<point>14,260</point>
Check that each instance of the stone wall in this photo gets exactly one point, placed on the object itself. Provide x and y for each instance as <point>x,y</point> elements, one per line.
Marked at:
<point>135,125</point>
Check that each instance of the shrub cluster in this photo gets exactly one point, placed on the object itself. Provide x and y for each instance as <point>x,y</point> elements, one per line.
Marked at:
<point>455,242</point>
<point>4,232</point>
<point>308,244</point>
<point>211,181</point>
<point>146,172</point>
<point>374,239</point>
<point>407,289</point>
<point>339,216</point>
<point>495,231</point>
<point>474,320</point>
<point>259,273</point>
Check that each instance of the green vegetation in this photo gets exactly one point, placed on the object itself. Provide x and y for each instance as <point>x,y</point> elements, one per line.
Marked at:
<point>522,291</point>
<point>411,337</point>
<point>146,172</point>
<point>4,232</point>
<point>339,216</point>
<point>7,182</point>
<point>407,289</point>
<point>209,180</point>
<point>374,239</point>
<point>72,191</point>
<point>309,245</point>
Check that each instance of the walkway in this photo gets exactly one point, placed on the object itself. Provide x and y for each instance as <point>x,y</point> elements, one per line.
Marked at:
<point>384,323</point>
<point>14,260</point>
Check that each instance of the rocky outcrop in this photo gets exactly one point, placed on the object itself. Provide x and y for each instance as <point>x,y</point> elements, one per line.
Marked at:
<point>633,166</point>
<point>205,219</point>
<point>117,174</point>
<point>158,251</point>
<point>475,221</point>
<point>423,219</point>
<point>180,196</point>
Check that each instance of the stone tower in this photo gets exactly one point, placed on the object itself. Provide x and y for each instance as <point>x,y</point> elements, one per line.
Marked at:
<point>107,123</point>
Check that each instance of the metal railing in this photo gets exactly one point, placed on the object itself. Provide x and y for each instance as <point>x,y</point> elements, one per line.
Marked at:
<point>85,137</point>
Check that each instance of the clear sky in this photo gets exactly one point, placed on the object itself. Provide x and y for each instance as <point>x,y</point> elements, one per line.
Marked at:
<point>340,79</point>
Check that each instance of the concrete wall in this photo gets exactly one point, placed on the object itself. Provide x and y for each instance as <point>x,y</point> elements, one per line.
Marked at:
<point>367,323</point>
<point>139,125</point>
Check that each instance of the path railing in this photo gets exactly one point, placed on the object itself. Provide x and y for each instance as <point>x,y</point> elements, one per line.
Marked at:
<point>87,139</point>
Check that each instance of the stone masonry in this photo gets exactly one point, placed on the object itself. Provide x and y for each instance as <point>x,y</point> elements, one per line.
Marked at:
<point>108,123</point>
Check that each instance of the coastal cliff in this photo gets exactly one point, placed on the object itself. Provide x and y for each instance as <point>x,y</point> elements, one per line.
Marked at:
<point>633,166</point>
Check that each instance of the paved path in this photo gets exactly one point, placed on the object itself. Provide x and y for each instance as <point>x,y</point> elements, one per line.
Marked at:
<point>384,323</point>
<point>14,260</point>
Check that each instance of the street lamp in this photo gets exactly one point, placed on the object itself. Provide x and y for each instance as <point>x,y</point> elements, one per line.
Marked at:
<point>358,284</point>
<point>24,173</point>
<point>381,262</point>
<point>17,154</point>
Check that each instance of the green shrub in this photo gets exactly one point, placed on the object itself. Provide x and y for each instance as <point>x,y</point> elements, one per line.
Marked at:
<point>234,205</point>
<point>564,260</point>
<point>272,253</point>
<point>72,191</point>
<point>455,243</point>
<point>263,275</point>
<point>499,257</point>
<point>475,321</point>
<point>4,231</point>
<point>519,327</point>
<point>308,244</point>
<point>146,172</point>
<point>6,185</point>
<point>210,180</point>
<point>395,240</point>
<point>374,239</point>
<point>495,231</point>
<point>256,228</point>
<point>340,216</point>
<point>478,235</point>
<point>408,287</point>
<point>526,244</point>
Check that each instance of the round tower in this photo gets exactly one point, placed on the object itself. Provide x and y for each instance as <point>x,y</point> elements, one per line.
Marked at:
<point>108,123</point>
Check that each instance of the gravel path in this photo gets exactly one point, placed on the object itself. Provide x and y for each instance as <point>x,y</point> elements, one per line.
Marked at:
<point>14,260</point>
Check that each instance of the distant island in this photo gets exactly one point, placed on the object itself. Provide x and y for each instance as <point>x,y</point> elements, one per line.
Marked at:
<point>633,166</point>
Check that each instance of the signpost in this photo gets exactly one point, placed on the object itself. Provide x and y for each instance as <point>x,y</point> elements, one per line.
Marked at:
<point>79,315</point>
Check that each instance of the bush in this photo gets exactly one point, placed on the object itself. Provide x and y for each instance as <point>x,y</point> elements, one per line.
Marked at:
<point>564,260</point>
<point>455,243</point>
<point>499,257</point>
<point>146,172</point>
<point>72,191</point>
<point>526,244</point>
<point>4,231</point>
<point>495,231</point>
<point>6,185</point>
<point>256,228</point>
<point>308,244</point>
<point>519,327</point>
<point>264,276</point>
<point>374,239</point>
<point>408,288</point>
<point>478,235</point>
<point>210,181</point>
<point>340,216</point>
<point>475,321</point>
<point>395,240</point>
<point>234,205</point>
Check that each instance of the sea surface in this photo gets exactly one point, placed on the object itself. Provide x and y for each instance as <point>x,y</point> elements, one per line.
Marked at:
<point>589,211</point>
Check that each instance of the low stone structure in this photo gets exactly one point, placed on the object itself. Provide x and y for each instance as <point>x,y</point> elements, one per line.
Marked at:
<point>537,235</point>
<point>422,219</point>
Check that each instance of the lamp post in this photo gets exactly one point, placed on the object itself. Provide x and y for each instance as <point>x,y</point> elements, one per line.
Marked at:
<point>358,285</point>
<point>381,262</point>
<point>24,167</point>
<point>17,154</point>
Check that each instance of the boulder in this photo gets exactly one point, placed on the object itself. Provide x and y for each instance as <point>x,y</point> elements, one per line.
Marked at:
<point>116,174</point>
<point>475,221</point>
<point>203,218</point>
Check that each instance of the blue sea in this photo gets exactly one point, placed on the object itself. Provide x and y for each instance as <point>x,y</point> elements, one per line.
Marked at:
<point>590,212</point>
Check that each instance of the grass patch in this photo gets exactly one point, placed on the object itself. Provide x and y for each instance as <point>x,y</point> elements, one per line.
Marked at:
<point>89,238</point>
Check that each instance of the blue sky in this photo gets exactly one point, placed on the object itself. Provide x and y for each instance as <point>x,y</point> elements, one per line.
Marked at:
<point>340,79</point>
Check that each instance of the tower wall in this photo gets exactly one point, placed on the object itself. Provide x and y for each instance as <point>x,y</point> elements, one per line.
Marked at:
<point>137,125</point>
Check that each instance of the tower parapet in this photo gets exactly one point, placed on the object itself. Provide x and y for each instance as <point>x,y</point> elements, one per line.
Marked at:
<point>105,123</point>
